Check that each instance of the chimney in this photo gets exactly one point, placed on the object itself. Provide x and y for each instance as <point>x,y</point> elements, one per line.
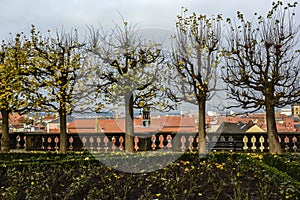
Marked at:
<point>146,117</point>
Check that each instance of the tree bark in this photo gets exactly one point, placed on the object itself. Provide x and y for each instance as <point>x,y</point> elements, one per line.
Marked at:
<point>5,131</point>
<point>201,127</point>
<point>274,144</point>
<point>129,128</point>
<point>63,129</point>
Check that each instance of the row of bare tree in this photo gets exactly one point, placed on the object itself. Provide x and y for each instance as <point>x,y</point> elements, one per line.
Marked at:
<point>256,61</point>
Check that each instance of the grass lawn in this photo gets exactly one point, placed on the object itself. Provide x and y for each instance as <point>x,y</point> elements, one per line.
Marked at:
<point>189,176</point>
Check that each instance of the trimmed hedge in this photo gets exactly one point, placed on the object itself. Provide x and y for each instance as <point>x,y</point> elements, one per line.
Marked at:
<point>285,163</point>
<point>79,176</point>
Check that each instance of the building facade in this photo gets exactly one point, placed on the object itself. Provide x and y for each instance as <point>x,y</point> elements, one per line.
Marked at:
<point>296,109</point>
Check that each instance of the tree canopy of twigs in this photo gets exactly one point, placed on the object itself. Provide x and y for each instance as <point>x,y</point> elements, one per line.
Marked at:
<point>262,64</point>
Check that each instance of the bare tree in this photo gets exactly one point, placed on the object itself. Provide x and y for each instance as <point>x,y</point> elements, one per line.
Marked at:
<point>130,70</point>
<point>17,84</point>
<point>195,60</point>
<point>58,60</point>
<point>262,64</point>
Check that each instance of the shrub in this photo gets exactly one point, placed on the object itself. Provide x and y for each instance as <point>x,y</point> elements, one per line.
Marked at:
<point>79,176</point>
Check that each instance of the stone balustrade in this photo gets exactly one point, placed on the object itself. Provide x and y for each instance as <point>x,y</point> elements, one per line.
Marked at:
<point>248,142</point>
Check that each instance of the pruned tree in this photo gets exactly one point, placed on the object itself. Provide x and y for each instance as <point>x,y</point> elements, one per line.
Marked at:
<point>17,83</point>
<point>129,72</point>
<point>195,58</point>
<point>262,64</point>
<point>58,59</point>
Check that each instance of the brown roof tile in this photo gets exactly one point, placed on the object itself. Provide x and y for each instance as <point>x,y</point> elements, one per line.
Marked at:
<point>158,124</point>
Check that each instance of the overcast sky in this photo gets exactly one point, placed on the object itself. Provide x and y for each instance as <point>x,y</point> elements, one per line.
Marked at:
<point>150,15</point>
<point>18,15</point>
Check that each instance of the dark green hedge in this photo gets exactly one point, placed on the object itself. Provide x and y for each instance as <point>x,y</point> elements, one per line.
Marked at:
<point>286,163</point>
<point>82,176</point>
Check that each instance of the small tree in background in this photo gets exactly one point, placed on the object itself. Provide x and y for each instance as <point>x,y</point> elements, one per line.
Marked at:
<point>262,64</point>
<point>195,60</point>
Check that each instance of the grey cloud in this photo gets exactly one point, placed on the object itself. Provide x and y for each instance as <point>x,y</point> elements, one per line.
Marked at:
<point>18,15</point>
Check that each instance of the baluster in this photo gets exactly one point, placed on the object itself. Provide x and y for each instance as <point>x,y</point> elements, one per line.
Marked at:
<point>253,141</point>
<point>295,142</point>
<point>169,139</point>
<point>183,141</point>
<point>121,140</point>
<point>18,138</point>
<point>71,140</point>
<point>213,142</point>
<point>84,143</point>
<point>43,141</point>
<point>245,140</point>
<point>222,139</point>
<point>136,140</point>
<point>286,142</point>
<point>214,139</point>
<point>113,140</point>
<point>261,140</point>
<point>105,144</point>
<point>98,143</point>
<point>267,140</point>
<point>91,140</point>
<point>49,140</point>
<point>191,140</point>
<point>279,139</point>
<point>25,140</point>
<point>56,140</point>
<point>153,139</point>
<point>161,141</point>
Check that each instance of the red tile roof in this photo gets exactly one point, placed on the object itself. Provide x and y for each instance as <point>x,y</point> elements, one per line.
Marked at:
<point>158,124</point>
<point>54,130</point>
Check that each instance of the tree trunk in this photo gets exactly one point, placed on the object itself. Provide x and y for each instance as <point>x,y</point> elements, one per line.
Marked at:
<point>201,127</point>
<point>63,130</point>
<point>129,128</point>
<point>274,144</point>
<point>5,131</point>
